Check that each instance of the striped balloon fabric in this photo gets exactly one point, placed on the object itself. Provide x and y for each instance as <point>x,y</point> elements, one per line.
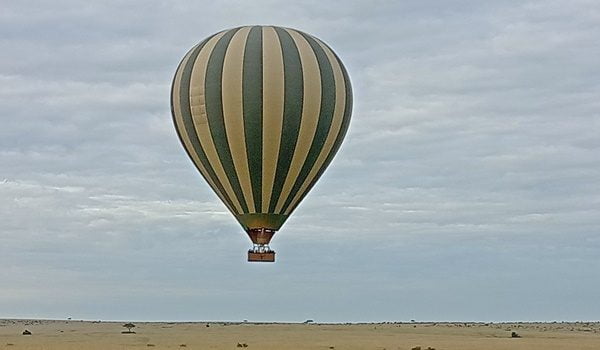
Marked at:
<point>261,111</point>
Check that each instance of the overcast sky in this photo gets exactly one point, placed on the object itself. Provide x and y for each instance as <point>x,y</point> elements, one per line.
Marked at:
<point>468,187</point>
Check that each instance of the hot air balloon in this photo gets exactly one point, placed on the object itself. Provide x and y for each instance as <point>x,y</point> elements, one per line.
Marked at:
<point>261,111</point>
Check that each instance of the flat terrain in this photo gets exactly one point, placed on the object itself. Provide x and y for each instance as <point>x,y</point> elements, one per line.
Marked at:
<point>65,335</point>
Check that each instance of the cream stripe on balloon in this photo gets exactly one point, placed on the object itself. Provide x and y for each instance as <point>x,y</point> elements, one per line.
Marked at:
<point>338,116</point>
<point>233,111</point>
<point>198,107</point>
<point>311,105</point>
<point>273,99</point>
<point>179,124</point>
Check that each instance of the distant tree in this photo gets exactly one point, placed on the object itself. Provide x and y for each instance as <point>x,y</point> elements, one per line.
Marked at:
<point>129,326</point>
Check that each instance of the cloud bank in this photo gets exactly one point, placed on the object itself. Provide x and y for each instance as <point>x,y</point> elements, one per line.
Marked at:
<point>468,186</point>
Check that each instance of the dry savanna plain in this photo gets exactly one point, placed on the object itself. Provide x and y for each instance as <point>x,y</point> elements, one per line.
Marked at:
<point>97,335</point>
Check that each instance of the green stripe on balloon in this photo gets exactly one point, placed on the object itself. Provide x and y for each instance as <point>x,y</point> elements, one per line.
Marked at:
<point>214,111</point>
<point>325,116</point>
<point>186,114</point>
<point>341,133</point>
<point>252,83</point>
<point>292,111</point>
<point>347,109</point>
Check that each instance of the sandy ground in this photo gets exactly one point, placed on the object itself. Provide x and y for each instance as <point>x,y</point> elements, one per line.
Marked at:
<point>65,335</point>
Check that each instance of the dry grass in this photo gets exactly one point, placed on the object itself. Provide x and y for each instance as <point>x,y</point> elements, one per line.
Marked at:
<point>70,335</point>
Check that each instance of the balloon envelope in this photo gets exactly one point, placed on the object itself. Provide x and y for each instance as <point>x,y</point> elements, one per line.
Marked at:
<point>261,111</point>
